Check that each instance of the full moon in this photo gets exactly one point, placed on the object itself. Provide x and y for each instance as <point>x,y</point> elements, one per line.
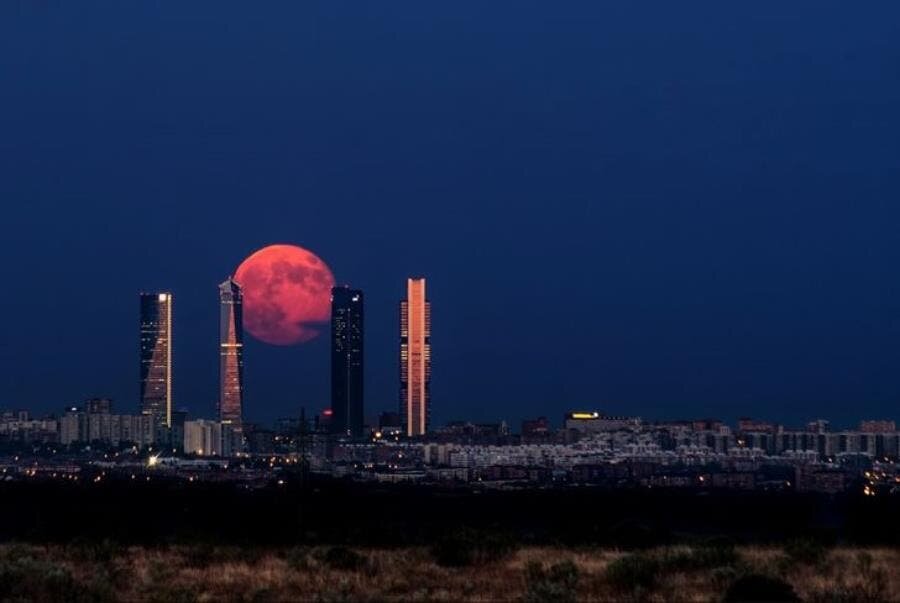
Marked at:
<point>287,294</point>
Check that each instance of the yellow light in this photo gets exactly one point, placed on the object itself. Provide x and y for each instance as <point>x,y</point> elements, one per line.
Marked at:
<point>585,415</point>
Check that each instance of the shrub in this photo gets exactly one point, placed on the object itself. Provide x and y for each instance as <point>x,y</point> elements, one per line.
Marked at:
<point>723,576</point>
<point>200,555</point>
<point>342,558</point>
<point>494,546</point>
<point>298,558</point>
<point>206,554</point>
<point>759,587</point>
<point>95,551</point>
<point>30,579</point>
<point>557,583</point>
<point>340,592</point>
<point>700,558</point>
<point>102,586</point>
<point>873,585</point>
<point>718,555</point>
<point>258,595</point>
<point>464,547</point>
<point>809,552</point>
<point>162,585</point>
<point>453,551</point>
<point>630,572</point>
<point>172,593</point>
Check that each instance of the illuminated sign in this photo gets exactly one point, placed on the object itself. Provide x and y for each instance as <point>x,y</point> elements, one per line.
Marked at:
<point>585,415</point>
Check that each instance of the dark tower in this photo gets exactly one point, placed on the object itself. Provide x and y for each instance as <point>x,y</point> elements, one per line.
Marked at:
<point>347,361</point>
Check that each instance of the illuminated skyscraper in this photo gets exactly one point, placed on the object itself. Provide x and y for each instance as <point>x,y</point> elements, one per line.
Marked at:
<point>231,352</point>
<point>347,361</point>
<point>415,358</point>
<point>156,357</point>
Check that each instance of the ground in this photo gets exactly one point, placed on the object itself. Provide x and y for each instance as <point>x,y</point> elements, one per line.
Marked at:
<point>107,572</point>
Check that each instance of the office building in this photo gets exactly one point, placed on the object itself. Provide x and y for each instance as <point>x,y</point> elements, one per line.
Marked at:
<point>231,353</point>
<point>593,421</point>
<point>415,358</point>
<point>880,426</point>
<point>156,357</point>
<point>94,423</point>
<point>203,437</point>
<point>347,361</point>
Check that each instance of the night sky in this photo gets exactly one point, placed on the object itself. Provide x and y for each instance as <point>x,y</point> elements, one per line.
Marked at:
<point>670,209</point>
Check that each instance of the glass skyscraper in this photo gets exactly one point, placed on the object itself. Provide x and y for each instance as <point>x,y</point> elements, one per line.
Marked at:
<point>347,361</point>
<point>415,358</point>
<point>231,352</point>
<point>156,357</point>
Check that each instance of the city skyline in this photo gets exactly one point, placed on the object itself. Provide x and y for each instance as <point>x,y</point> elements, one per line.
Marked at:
<point>616,208</point>
<point>156,375</point>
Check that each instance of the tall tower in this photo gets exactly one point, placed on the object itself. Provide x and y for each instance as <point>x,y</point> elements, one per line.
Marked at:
<point>415,358</point>
<point>231,352</point>
<point>156,357</point>
<point>347,361</point>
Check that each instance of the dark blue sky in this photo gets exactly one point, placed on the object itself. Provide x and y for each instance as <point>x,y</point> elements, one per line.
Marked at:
<point>670,209</point>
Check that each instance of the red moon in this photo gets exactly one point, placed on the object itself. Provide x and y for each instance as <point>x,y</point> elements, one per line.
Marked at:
<point>287,294</point>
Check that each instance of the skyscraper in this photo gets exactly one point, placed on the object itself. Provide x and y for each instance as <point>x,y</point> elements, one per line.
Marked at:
<point>347,361</point>
<point>156,357</point>
<point>415,358</point>
<point>231,352</point>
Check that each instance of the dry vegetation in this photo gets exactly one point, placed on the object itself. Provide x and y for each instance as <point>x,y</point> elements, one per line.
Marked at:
<point>105,572</point>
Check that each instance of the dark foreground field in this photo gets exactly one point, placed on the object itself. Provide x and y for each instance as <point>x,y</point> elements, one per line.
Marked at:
<point>165,540</point>
<point>108,573</point>
<point>329,512</point>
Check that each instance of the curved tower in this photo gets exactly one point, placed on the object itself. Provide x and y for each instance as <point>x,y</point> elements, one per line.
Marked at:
<point>156,357</point>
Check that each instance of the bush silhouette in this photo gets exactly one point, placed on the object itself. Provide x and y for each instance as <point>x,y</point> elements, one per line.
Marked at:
<point>558,583</point>
<point>810,552</point>
<point>758,587</point>
<point>633,571</point>
<point>453,550</point>
<point>700,558</point>
<point>298,558</point>
<point>30,579</point>
<point>342,558</point>
<point>464,547</point>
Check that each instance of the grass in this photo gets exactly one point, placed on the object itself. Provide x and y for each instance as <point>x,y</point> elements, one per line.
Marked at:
<point>700,573</point>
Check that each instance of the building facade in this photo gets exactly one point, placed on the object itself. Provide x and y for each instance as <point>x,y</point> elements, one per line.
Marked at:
<point>211,438</point>
<point>593,421</point>
<point>415,358</point>
<point>231,352</point>
<point>94,423</point>
<point>203,437</point>
<point>156,357</point>
<point>347,361</point>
